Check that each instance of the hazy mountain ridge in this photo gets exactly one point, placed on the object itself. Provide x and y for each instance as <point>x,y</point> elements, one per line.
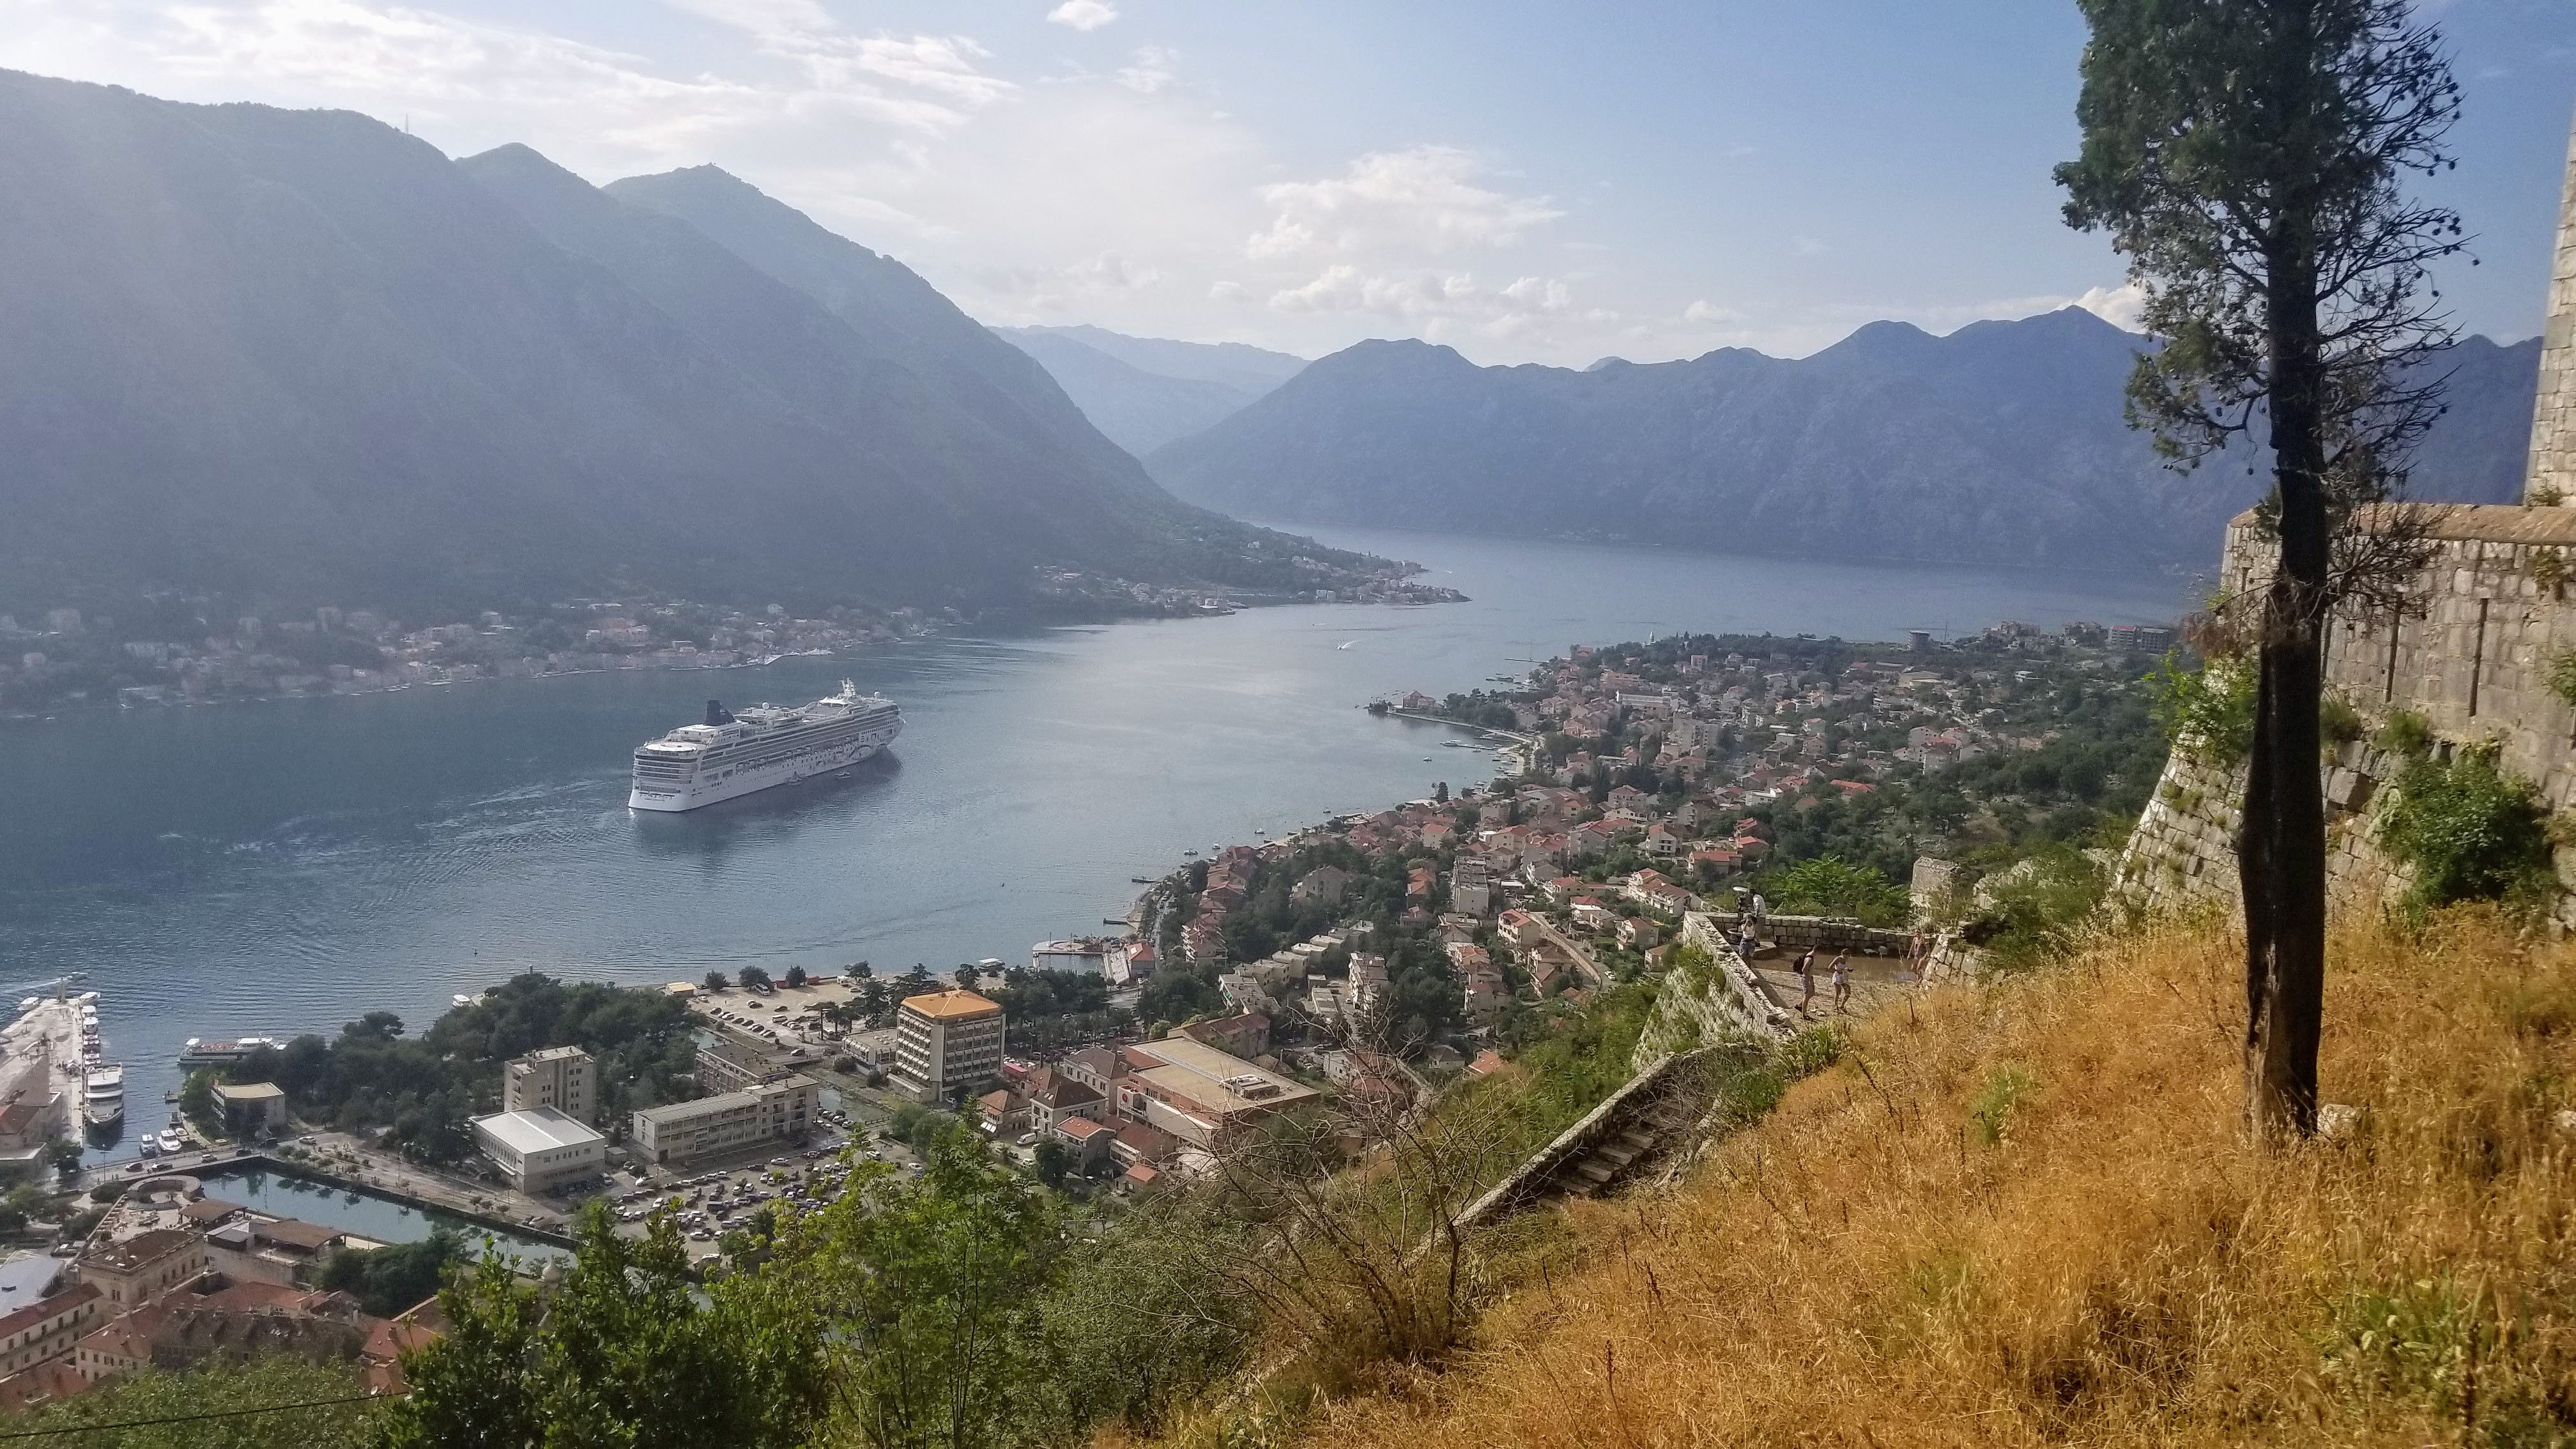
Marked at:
<point>2003,442</point>
<point>1143,392</point>
<point>301,355</point>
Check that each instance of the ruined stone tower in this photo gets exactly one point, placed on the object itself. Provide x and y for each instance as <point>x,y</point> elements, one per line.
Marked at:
<point>2552,475</point>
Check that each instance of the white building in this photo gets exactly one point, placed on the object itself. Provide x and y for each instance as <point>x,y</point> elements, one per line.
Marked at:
<point>540,1148</point>
<point>780,1111</point>
<point>563,1078</point>
<point>947,1042</point>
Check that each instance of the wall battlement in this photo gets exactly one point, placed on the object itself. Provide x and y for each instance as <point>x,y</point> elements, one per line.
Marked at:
<point>2495,615</point>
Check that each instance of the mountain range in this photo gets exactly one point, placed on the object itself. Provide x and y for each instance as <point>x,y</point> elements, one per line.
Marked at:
<point>1143,392</point>
<point>301,355</point>
<point>2002,442</point>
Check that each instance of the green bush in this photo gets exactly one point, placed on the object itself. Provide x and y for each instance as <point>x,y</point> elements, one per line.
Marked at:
<point>1832,886</point>
<point>2209,711</point>
<point>2338,721</point>
<point>2034,912</point>
<point>2471,832</point>
<point>2006,1087</point>
<point>2561,678</point>
<point>2405,733</point>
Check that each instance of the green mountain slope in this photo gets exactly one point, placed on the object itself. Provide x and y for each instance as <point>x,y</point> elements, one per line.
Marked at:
<point>303,357</point>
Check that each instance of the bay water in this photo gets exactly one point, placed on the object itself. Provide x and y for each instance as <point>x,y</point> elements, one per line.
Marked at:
<point>284,867</point>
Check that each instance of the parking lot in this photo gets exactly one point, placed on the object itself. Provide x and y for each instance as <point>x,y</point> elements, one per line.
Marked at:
<point>712,1196</point>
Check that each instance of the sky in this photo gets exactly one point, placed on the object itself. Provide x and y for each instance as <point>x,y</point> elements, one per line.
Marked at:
<point>1524,181</point>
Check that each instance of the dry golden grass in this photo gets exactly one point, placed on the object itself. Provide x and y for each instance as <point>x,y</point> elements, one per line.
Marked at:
<point>2028,1215</point>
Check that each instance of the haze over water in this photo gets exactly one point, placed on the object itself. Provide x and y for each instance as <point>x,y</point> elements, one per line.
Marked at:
<point>285,867</point>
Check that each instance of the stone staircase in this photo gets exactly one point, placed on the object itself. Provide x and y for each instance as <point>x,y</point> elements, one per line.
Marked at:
<point>1638,1134</point>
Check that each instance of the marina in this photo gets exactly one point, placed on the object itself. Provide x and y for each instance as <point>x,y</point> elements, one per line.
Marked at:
<point>44,1055</point>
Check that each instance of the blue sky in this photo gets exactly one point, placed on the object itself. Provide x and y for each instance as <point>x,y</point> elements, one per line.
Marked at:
<point>1527,182</point>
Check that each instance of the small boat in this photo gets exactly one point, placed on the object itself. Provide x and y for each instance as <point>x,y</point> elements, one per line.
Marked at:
<point>1140,880</point>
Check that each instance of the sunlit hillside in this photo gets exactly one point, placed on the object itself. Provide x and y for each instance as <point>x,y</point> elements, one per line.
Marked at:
<point>2026,1214</point>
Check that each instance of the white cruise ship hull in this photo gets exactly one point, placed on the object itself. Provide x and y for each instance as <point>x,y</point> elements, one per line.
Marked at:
<point>735,782</point>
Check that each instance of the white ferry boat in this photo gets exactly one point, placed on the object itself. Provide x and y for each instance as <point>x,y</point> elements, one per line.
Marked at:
<point>103,1095</point>
<point>764,745</point>
<point>201,1052</point>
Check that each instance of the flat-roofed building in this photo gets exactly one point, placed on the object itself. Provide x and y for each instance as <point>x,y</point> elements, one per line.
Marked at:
<point>1199,1094</point>
<point>779,1111</point>
<point>251,1109</point>
<point>564,1078</point>
<point>249,1247</point>
<point>947,1043</point>
<point>540,1148</point>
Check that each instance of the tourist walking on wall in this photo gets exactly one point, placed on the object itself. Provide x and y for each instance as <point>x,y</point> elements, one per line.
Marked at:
<point>1806,979</point>
<point>1842,984</point>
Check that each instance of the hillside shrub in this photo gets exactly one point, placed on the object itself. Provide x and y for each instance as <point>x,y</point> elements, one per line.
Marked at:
<point>2561,677</point>
<point>1832,886</point>
<point>2338,722</point>
<point>2206,712</point>
<point>2404,732</point>
<point>2036,912</point>
<point>2471,832</point>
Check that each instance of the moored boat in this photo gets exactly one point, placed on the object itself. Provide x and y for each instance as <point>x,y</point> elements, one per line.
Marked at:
<point>103,1095</point>
<point>223,1052</point>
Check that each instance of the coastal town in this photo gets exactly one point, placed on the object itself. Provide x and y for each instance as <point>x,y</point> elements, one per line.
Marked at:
<point>174,651</point>
<point>1644,799</point>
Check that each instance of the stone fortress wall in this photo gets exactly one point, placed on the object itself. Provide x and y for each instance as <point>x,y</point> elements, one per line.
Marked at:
<point>2492,616</point>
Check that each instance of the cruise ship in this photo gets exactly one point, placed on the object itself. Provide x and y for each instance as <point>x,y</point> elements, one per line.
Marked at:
<point>735,754</point>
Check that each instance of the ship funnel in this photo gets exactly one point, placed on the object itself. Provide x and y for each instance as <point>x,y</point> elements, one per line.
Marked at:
<point>716,713</point>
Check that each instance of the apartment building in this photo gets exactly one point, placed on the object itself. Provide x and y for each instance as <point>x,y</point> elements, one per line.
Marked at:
<point>779,1111</point>
<point>564,1078</point>
<point>947,1043</point>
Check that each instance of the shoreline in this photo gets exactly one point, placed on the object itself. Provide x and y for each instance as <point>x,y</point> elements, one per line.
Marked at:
<point>86,708</point>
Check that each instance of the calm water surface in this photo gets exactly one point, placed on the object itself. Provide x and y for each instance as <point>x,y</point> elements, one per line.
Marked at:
<point>356,1210</point>
<point>284,867</point>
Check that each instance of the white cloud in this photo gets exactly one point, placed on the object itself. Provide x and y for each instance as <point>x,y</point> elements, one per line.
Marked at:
<point>1024,189</point>
<point>1425,198</point>
<point>1110,272</point>
<point>2121,306</point>
<point>1155,67</point>
<point>1438,301</point>
<point>1083,14</point>
<point>760,17</point>
<point>943,64</point>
